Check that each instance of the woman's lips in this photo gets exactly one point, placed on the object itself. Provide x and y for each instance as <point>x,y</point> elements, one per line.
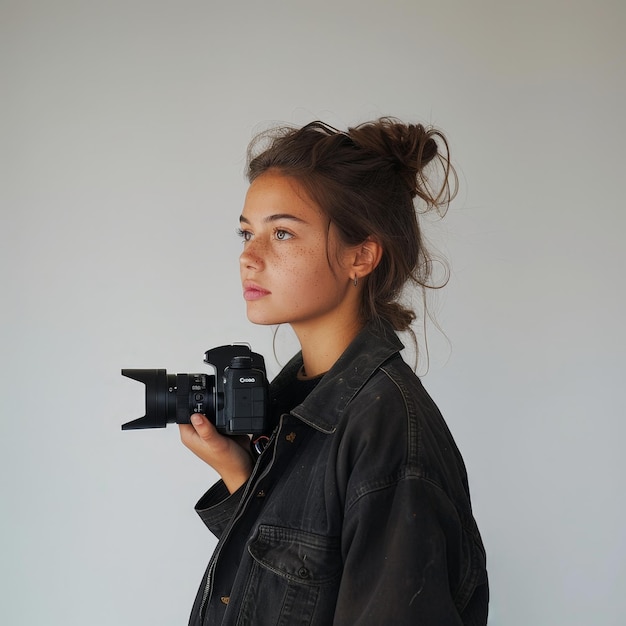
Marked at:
<point>253,292</point>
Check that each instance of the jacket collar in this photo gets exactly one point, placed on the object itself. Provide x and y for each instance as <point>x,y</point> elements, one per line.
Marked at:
<point>323,407</point>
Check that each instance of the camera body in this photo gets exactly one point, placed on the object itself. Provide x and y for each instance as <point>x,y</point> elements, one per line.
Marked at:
<point>235,399</point>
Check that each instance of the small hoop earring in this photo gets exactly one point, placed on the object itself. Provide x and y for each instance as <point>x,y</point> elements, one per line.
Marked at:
<point>356,281</point>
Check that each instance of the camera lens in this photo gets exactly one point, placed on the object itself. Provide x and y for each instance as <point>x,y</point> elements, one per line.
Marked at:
<point>194,394</point>
<point>172,397</point>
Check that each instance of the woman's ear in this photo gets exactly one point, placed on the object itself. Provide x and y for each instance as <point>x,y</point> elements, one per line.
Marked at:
<point>366,257</point>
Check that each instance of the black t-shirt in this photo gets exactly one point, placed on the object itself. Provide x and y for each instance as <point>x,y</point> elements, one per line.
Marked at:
<point>292,395</point>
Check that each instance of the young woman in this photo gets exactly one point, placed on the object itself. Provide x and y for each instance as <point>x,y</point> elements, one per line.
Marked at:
<point>357,512</point>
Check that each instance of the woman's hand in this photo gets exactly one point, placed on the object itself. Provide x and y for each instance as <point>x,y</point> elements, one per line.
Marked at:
<point>229,456</point>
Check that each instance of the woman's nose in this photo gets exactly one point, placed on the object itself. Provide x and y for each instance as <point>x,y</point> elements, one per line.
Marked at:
<point>251,257</point>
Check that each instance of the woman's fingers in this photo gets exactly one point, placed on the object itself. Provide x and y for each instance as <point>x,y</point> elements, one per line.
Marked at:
<point>229,456</point>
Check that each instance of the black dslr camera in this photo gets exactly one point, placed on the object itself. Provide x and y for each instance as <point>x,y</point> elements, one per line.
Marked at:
<point>235,399</point>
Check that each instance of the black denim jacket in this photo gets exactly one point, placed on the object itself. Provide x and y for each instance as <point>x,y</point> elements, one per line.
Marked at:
<point>357,513</point>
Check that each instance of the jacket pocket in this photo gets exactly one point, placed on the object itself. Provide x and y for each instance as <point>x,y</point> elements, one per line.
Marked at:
<point>294,578</point>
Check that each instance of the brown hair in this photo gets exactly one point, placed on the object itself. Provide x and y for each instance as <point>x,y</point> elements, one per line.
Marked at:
<point>371,181</point>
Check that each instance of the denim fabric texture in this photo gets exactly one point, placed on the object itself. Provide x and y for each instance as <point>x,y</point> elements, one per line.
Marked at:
<point>357,513</point>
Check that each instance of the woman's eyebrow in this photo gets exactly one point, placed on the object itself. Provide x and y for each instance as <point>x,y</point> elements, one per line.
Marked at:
<point>274,217</point>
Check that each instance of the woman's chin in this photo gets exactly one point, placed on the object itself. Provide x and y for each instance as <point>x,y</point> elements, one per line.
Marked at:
<point>262,320</point>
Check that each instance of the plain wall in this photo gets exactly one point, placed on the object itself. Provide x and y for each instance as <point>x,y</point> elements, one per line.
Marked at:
<point>123,131</point>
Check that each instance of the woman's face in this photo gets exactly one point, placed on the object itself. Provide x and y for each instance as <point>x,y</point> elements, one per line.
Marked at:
<point>293,268</point>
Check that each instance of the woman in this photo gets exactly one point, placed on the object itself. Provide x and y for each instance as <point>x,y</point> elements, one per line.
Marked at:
<point>357,511</point>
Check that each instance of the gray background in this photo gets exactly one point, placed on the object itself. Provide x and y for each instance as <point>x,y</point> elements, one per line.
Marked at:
<point>123,130</point>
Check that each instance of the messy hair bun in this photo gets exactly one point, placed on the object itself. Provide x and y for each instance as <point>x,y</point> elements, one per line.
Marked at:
<point>372,181</point>
<point>409,148</point>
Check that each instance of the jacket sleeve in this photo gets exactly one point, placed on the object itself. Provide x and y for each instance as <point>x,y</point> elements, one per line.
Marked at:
<point>403,550</point>
<point>217,506</point>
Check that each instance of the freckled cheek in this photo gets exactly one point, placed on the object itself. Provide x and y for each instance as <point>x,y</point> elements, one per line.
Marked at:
<point>303,272</point>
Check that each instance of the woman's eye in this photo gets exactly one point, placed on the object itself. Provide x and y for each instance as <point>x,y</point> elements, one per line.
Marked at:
<point>246,235</point>
<point>281,235</point>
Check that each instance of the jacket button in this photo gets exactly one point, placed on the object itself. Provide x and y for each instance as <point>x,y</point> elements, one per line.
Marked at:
<point>291,437</point>
<point>261,494</point>
<point>303,572</point>
<point>225,599</point>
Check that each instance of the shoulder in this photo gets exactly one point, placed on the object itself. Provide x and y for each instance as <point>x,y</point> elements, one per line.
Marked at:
<point>393,426</point>
<point>393,401</point>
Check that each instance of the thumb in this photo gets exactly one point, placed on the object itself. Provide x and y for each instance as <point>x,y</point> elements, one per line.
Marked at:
<point>202,426</point>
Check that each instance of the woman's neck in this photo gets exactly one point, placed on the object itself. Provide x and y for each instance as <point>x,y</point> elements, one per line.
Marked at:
<point>323,344</point>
